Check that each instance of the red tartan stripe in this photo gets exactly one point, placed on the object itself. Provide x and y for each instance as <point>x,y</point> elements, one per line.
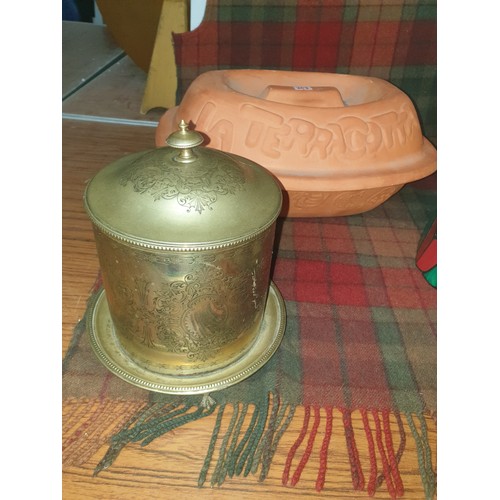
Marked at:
<point>315,45</point>
<point>362,47</point>
<point>317,274</point>
<point>369,42</point>
<point>363,360</point>
<point>334,237</point>
<point>225,45</point>
<point>240,37</point>
<point>345,46</point>
<point>347,343</point>
<point>422,49</point>
<point>323,282</point>
<point>416,44</point>
<point>317,334</point>
<point>385,43</point>
<point>319,11</point>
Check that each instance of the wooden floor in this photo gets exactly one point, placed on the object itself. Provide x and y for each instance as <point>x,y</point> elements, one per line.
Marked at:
<point>168,467</point>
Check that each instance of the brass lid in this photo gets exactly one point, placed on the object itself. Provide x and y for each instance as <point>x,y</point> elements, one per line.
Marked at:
<point>183,195</point>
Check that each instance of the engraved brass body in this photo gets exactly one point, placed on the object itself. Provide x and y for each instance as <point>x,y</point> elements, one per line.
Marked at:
<point>185,235</point>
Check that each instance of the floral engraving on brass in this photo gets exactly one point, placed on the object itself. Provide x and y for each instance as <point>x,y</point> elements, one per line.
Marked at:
<point>194,188</point>
<point>188,316</point>
<point>192,304</point>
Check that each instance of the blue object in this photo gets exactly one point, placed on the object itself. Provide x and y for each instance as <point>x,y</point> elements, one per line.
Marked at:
<point>70,11</point>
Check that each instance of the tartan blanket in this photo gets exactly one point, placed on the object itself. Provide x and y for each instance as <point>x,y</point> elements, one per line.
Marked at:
<point>360,336</point>
<point>390,39</point>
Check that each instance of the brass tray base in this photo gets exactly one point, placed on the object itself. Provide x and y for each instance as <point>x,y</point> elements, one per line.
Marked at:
<point>109,351</point>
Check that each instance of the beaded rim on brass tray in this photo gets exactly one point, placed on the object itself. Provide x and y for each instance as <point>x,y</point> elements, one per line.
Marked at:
<point>107,347</point>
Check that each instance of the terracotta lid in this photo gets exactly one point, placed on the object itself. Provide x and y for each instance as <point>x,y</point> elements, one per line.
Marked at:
<point>182,194</point>
<point>327,137</point>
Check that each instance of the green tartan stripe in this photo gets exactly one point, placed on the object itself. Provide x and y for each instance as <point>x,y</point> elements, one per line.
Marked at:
<point>257,13</point>
<point>286,10</point>
<point>409,11</point>
<point>350,13</point>
<point>368,13</point>
<point>288,364</point>
<point>420,206</point>
<point>421,72</point>
<point>262,10</point>
<point>426,10</point>
<point>400,377</point>
<point>367,260</point>
<point>420,84</point>
<point>391,12</point>
<point>421,10</point>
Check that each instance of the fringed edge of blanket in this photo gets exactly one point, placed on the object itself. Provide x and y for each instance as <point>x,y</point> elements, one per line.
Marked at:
<point>248,445</point>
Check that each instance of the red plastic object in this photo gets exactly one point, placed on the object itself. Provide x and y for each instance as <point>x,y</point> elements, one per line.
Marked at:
<point>427,251</point>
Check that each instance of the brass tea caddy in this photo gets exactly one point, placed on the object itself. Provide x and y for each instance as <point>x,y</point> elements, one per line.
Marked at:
<point>185,235</point>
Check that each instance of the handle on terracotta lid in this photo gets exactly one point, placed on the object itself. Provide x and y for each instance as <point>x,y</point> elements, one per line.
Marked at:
<point>185,140</point>
<point>304,95</point>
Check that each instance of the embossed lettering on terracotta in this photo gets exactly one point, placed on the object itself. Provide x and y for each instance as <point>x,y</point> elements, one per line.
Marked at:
<point>317,132</point>
<point>275,136</point>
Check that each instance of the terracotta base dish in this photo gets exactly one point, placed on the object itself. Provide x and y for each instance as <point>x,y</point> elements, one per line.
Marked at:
<point>338,144</point>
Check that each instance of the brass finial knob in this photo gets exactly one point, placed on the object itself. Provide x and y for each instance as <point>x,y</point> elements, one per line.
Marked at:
<point>185,140</point>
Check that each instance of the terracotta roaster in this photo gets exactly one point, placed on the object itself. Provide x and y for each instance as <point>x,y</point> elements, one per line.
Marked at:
<point>338,144</point>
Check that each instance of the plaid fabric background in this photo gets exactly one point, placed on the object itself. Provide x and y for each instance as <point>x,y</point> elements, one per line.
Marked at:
<point>392,40</point>
<point>364,311</point>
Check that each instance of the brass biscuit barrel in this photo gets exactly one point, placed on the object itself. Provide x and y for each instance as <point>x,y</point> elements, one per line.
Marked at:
<point>185,236</point>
